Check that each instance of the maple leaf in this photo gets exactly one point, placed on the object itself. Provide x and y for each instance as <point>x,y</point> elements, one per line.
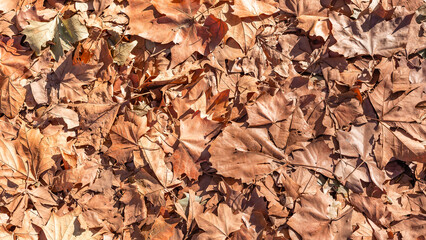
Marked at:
<point>244,153</point>
<point>220,226</point>
<point>63,32</point>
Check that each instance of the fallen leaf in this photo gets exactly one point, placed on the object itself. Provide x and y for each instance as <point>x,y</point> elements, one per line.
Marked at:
<point>244,153</point>
<point>220,226</point>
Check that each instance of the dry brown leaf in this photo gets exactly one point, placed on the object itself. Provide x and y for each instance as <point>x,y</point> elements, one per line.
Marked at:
<point>253,8</point>
<point>68,79</point>
<point>270,109</point>
<point>12,96</point>
<point>372,35</point>
<point>317,213</point>
<point>220,226</point>
<point>244,153</point>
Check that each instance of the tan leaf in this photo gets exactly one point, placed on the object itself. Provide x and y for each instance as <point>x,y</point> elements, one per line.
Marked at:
<point>253,8</point>
<point>270,109</point>
<point>68,79</point>
<point>316,213</point>
<point>220,226</point>
<point>95,123</point>
<point>371,35</point>
<point>12,96</point>
<point>195,133</point>
<point>65,227</point>
<point>244,153</point>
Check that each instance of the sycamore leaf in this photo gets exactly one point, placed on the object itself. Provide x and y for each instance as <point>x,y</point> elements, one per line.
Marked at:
<point>372,35</point>
<point>63,32</point>
<point>68,79</point>
<point>317,156</point>
<point>95,123</point>
<point>403,141</point>
<point>316,212</point>
<point>220,226</point>
<point>68,31</point>
<point>253,8</point>
<point>65,227</point>
<point>6,6</point>
<point>125,136</point>
<point>302,7</point>
<point>196,132</point>
<point>11,164</point>
<point>179,26</point>
<point>36,149</point>
<point>69,116</point>
<point>244,153</point>
<point>14,60</point>
<point>39,33</point>
<point>270,109</point>
<point>12,96</point>
<point>122,51</point>
<point>243,31</point>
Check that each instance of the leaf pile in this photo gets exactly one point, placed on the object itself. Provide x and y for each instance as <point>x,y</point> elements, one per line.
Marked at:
<point>212,119</point>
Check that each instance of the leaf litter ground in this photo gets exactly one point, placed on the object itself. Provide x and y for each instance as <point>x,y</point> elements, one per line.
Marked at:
<point>212,119</point>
